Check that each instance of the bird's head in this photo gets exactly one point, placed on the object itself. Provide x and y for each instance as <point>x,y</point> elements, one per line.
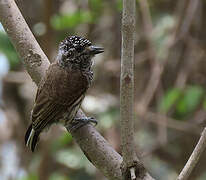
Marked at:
<point>77,50</point>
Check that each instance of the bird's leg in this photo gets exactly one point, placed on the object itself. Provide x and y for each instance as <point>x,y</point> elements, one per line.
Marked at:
<point>79,122</point>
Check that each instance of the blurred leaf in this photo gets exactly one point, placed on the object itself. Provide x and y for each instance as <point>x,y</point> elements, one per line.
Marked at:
<point>202,176</point>
<point>74,158</point>
<point>71,157</point>
<point>39,29</point>
<point>169,99</point>
<point>119,5</point>
<point>57,176</point>
<point>107,118</point>
<point>204,103</point>
<point>7,48</point>
<point>61,22</point>
<point>190,100</point>
<point>63,140</point>
<point>161,35</point>
<point>30,177</point>
<point>4,66</point>
<point>95,4</point>
<point>96,8</point>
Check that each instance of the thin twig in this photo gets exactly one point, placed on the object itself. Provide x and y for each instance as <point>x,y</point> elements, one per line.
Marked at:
<point>172,123</point>
<point>156,70</point>
<point>190,13</point>
<point>189,64</point>
<point>195,156</point>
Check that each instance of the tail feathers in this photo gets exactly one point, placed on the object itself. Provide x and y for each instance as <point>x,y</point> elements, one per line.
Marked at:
<point>31,138</point>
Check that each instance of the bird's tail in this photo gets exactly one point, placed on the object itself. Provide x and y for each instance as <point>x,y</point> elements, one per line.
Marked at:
<point>31,138</point>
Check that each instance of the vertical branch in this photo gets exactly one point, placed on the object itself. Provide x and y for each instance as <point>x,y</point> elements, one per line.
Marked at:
<point>127,82</point>
<point>130,159</point>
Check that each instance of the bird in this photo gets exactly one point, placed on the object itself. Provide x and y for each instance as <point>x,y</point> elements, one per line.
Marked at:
<point>63,88</point>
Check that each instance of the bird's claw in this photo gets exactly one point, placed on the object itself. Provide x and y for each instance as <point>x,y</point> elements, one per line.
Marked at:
<point>80,122</point>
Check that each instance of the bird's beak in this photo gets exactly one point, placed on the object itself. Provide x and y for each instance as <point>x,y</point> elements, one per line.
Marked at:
<point>95,49</point>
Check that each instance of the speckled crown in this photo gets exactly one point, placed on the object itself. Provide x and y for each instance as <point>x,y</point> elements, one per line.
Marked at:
<point>75,42</point>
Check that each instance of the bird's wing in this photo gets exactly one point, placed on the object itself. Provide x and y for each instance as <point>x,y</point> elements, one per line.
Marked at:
<point>57,93</point>
<point>44,113</point>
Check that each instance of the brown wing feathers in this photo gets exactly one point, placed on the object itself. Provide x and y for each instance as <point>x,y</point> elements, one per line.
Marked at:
<point>56,93</point>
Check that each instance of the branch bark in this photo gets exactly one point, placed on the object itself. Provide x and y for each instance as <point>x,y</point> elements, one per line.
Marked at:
<point>130,160</point>
<point>195,156</point>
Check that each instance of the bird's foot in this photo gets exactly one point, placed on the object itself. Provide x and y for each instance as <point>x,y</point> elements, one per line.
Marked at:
<point>79,122</point>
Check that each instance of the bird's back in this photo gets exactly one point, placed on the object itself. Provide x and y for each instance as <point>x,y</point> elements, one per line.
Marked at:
<point>63,85</point>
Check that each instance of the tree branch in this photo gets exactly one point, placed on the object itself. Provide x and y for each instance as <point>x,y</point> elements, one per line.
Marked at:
<point>195,156</point>
<point>130,160</point>
<point>192,8</point>
<point>127,83</point>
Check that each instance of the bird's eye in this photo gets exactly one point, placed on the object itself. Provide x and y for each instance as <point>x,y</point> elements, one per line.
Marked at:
<point>78,48</point>
<point>65,47</point>
<point>71,53</point>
